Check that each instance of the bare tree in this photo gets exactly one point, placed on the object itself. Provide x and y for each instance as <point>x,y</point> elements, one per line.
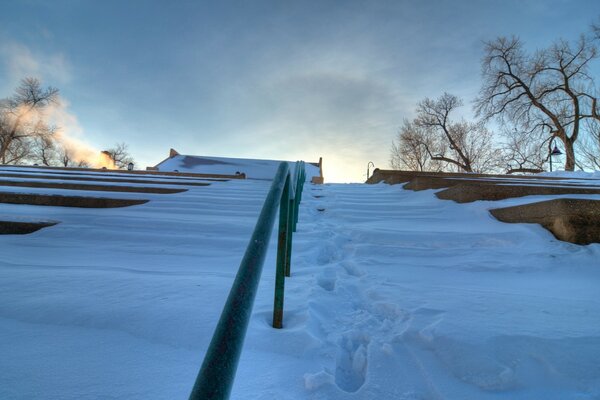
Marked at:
<point>65,158</point>
<point>50,152</point>
<point>22,120</point>
<point>44,151</point>
<point>521,154</point>
<point>466,145</point>
<point>82,164</point>
<point>589,148</point>
<point>409,150</point>
<point>546,94</point>
<point>17,152</point>
<point>434,142</point>
<point>119,155</point>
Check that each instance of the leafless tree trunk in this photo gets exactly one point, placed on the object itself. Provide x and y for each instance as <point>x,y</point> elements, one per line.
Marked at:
<point>546,94</point>
<point>66,159</point>
<point>44,151</point>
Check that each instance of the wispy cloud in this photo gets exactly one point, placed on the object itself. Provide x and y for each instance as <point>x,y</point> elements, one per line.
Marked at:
<point>322,100</point>
<point>21,62</point>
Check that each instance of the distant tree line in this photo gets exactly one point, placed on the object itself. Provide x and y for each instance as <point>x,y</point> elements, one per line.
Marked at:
<point>537,98</point>
<point>26,137</point>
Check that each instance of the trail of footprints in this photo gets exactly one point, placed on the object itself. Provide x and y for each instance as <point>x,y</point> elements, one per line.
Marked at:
<point>349,308</point>
<point>352,319</point>
<point>361,329</point>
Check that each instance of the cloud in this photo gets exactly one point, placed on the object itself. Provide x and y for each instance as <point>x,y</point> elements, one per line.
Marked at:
<point>21,62</point>
<point>345,117</point>
<point>341,95</point>
<point>335,100</point>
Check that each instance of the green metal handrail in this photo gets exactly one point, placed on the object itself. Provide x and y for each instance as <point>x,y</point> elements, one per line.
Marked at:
<point>215,379</point>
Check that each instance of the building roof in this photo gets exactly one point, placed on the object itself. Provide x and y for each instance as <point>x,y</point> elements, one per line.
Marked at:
<point>252,168</point>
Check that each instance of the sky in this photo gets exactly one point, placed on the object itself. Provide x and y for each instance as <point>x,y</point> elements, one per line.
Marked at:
<point>263,79</point>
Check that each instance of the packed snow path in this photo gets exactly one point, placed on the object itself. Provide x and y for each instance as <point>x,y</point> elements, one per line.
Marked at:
<point>397,295</point>
<point>394,294</point>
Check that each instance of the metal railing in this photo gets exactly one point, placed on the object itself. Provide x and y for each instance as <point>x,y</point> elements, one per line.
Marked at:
<point>215,379</point>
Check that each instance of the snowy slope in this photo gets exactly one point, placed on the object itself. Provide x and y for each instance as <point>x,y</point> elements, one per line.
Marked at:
<point>394,294</point>
<point>399,295</point>
<point>119,303</point>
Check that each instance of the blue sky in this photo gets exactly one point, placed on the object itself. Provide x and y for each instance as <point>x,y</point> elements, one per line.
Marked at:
<point>259,79</point>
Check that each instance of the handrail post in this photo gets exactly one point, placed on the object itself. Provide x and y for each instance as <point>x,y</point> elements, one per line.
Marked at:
<point>297,196</point>
<point>283,250</point>
<point>294,205</point>
<point>288,259</point>
<point>216,375</point>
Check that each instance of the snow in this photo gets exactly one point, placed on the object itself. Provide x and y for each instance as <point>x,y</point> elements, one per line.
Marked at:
<point>254,169</point>
<point>573,174</point>
<point>394,294</point>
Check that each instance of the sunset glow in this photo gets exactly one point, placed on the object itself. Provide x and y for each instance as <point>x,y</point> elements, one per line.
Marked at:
<point>261,79</point>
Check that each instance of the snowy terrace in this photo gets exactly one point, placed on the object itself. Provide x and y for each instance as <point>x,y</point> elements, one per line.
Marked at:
<point>394,294</point>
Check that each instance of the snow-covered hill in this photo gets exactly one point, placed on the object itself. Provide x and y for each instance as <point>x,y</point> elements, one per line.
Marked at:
<point>394,294</point>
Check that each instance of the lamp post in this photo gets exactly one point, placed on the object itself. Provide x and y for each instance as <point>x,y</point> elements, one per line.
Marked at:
<point>555,152</point>
<point>369,165</point>
<point>130,166</point>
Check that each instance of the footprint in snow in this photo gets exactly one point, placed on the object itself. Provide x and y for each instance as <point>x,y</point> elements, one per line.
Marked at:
<point>352,269</point>
<point>352,361</point>
<point>328,253</point>
<point>327,279</point>
<point>422,325</point>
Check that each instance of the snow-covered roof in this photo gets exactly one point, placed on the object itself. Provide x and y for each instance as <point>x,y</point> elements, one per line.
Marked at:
<point>253,168</point>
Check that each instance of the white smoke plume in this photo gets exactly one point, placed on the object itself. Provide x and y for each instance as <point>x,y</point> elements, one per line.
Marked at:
<point>69,135</point>
<point>54,70</point>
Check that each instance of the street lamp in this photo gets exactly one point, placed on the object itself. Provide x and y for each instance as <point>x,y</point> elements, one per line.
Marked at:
<point>555,152</point>
<point>130,166</point>
<point>369,165</point>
